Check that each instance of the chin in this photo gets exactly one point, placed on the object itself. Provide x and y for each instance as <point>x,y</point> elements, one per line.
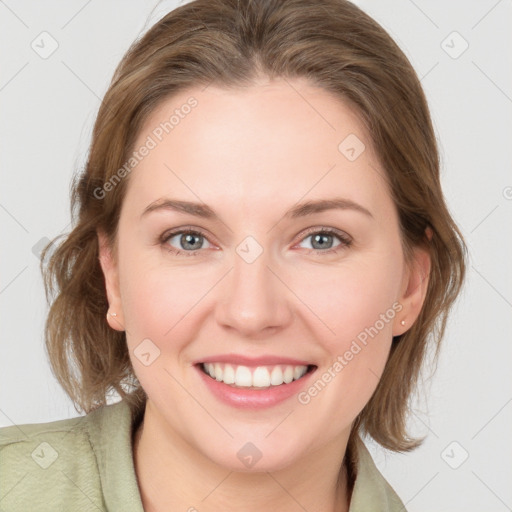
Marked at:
<point>252,456</point>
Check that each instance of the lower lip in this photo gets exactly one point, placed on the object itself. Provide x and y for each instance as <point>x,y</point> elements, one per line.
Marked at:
<point>246,398</point>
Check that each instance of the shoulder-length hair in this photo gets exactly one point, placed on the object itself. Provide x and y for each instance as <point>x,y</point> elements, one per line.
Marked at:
<point>337,47</point>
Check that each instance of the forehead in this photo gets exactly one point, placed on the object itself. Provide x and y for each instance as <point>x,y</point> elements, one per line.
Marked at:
<point>247,146</point>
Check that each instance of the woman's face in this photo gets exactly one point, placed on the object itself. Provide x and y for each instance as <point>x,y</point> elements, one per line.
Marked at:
<point>281,248</point>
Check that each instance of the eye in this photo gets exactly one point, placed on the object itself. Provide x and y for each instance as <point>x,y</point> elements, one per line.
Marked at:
<point>189,242</point>
<point>323,240</point>
<point>184,241</point>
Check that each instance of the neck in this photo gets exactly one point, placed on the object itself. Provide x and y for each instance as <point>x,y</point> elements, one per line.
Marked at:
<point>173,476</point>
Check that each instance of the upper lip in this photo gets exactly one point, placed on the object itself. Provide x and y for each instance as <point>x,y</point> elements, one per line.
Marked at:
<point>239,359</point>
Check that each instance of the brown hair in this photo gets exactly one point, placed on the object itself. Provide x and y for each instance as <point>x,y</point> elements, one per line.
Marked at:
<point>230,43</point>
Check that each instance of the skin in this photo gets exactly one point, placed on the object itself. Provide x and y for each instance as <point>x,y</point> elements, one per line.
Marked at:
<point>251,154</point>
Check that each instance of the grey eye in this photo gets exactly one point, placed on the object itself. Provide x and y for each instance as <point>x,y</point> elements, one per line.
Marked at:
<point>188,241</point>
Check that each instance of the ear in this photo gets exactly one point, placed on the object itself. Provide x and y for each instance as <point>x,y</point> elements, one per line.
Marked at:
<point>111,274</point>
<point>414,287</point>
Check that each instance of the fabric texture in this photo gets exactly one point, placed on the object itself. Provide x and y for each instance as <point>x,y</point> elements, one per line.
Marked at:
<point>86,464</point>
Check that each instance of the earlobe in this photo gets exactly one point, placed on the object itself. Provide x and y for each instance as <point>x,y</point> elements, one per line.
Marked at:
<point>414,288</point>
<point>108,265</point>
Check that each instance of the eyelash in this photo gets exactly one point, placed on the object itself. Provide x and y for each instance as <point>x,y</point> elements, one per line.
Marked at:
<point>346,242</point>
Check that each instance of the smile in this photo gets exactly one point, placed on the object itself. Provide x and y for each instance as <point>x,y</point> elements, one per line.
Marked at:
<point>258,377</point>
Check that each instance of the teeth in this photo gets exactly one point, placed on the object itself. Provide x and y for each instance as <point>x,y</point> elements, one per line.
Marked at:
<point>229,374</point>
<point>276,377</point>
<point>243,376</point>
<point>259,377</point>
<point>288,374</point>
<point>297,372</point>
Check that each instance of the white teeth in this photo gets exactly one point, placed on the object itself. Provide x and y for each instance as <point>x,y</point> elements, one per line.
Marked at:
<point>297,372</point>
<point>288,374</point>
<point>218,371</point>
<point>209,369</point>
<point>243,376</point>
<point>276,377</point>
<point>229,374</point>
<point>259,377</point>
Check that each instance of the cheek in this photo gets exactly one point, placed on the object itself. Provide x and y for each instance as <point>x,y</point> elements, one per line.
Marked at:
<point>160,321</point>
<point>159,300</point>
<point>350,298</point>
<point>358,304</point>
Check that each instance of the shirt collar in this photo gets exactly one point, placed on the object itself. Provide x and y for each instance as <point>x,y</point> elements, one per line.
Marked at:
<point>371,490</point>
<point>110,431</point>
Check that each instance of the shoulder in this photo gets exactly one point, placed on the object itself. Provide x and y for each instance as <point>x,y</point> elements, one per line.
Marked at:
<point>56,465</point>
<point>371,490</point>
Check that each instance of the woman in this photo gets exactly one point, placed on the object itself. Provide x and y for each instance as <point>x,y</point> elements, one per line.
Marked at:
<point>261,257</point>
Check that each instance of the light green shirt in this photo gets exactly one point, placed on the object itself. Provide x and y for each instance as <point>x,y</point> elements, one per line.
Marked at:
<point>86,464</point>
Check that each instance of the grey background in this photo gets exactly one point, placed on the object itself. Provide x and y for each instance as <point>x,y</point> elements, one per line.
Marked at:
<point>47,109</point>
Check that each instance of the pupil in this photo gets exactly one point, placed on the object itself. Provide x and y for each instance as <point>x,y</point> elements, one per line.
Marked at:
<point>320,238</point>
<point>187,242</point>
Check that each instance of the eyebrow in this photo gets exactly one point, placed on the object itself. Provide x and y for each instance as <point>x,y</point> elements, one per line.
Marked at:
<point>300,210</point>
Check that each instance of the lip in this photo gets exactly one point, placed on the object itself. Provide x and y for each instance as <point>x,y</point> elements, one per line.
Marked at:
<point>245,398</point>
<point>239,359</point>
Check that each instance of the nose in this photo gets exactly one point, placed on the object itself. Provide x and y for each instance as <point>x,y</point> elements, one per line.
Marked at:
<point>254,301</point>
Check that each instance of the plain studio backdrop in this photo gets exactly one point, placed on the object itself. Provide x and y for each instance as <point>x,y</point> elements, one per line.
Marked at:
<point>56,61</point>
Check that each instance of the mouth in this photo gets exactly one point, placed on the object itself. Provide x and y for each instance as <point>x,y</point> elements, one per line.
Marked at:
<point>255,377</point>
